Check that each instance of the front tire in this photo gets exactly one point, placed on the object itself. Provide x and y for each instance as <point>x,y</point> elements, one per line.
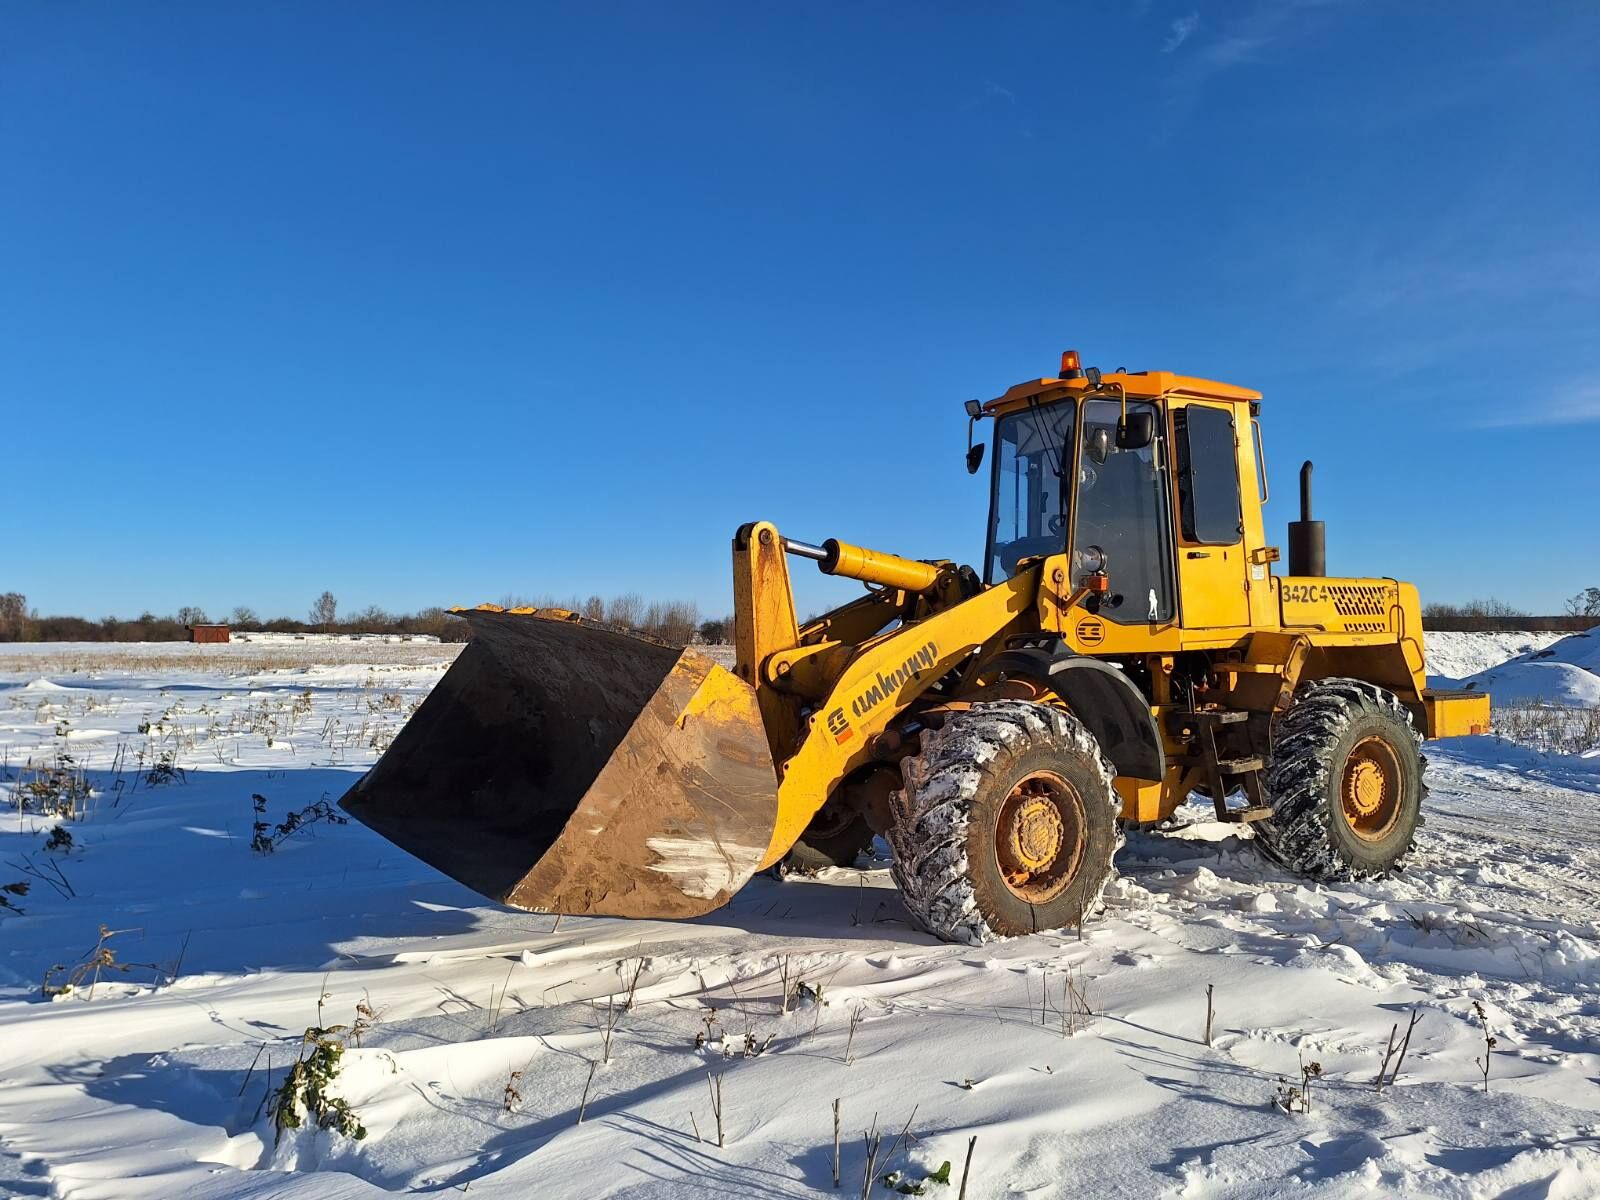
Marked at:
<point>1006,825</point>
<point>1345,783</point>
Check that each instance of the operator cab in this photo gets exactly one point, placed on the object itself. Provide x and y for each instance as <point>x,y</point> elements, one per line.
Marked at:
<point>1083,464</point>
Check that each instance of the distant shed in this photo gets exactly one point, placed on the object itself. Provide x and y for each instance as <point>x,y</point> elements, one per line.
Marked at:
<point>208,633</point>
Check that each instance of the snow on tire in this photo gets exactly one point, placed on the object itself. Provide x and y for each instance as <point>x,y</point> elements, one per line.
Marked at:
<point>1344,781</point>
<point>1007,823</point>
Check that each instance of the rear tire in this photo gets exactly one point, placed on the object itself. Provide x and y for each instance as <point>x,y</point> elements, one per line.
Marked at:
<point>819,849</point>
<point>1006,825</point>
<point>1345,783</point>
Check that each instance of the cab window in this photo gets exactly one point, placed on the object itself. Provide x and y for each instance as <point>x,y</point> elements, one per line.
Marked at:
<point>1208,476</point>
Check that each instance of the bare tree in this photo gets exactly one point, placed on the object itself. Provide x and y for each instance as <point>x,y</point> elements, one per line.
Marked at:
<point>595,608</point>
<point>1491,608</point>
<point>191,614</point>
<point>13,615</point>
<point>1585,604</point>
<point>371,619</point>
<point>244,617</point>
<point>676,622</point>
<point>626,610</point>
<point>325,611</point>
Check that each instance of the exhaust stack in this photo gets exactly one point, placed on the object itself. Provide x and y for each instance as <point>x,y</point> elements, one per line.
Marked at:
<point>1308,549</point>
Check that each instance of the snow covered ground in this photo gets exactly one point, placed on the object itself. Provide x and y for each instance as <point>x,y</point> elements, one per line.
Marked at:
<point>1456,656</point>
<point>1079,1063</point>
<point>1562,671</point>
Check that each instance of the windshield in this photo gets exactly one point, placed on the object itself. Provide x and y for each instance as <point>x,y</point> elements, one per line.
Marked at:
<point>1026,511</point>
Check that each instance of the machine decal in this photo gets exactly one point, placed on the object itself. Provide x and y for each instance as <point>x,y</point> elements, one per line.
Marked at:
<point>839,727</point>
<point>1305,593</point>
<point>884,686</point>
<point>1091,632</point>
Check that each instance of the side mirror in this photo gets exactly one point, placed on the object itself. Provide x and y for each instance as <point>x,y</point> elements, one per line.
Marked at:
<point>1136,430</point>
<point>974,458</point>
<point>1099,444</point>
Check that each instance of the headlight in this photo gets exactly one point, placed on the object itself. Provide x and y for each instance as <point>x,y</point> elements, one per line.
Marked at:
<point>1089,560</point>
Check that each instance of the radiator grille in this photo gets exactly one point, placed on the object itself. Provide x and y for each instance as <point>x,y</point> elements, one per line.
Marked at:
<point>1361,600</point>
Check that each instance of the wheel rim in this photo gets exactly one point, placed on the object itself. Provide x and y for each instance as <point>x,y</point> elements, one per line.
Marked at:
<point>1039,837</point>
<point>1370,790</point>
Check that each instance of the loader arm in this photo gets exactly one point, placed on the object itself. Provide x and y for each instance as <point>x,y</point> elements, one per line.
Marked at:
<point>876,686</point>
<point>793,668</point>
<point>825,692</point>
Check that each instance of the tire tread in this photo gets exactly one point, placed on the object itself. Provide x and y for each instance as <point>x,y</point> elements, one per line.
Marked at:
<point>933,810</point>
<point>1297,835</point>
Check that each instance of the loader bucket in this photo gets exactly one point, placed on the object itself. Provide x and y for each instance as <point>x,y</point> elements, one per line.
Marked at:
<point>571,767</point>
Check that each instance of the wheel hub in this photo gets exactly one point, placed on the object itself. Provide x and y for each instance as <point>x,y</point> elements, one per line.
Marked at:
<point>1040,837</point>
<point>1369,791</point>
<point>1036,831</point>
<point>1366,787</point>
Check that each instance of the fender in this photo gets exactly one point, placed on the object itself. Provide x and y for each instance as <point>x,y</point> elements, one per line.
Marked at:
<point>1100,696</point>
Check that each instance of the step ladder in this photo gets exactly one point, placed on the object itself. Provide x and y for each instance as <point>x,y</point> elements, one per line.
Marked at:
<point>1223,773</point>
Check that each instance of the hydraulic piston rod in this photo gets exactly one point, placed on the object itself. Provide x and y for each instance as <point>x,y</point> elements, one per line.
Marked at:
<point>834,557</point>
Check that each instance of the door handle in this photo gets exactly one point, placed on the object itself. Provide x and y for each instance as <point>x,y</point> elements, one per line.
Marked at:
<point>1199,554</point>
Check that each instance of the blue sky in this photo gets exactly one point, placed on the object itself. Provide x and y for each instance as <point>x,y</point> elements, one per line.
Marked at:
<point>429,304</point>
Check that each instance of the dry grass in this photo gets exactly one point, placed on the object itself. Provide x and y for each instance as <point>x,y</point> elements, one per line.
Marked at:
<point>177,733</point>
<point>1563,728</point>
<point>234,658</point>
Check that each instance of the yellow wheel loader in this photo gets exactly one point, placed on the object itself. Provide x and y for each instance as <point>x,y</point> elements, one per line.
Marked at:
<point>1127,642</point>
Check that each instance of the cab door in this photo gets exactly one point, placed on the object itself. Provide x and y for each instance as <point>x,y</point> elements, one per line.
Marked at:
<point>1212,570</point>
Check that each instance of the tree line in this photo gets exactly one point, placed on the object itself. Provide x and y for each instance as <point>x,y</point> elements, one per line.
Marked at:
<point>1582,612</point>
<point>674,621</point>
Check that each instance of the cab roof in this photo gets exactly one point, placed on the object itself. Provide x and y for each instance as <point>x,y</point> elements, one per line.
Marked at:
<point>1144,384</point>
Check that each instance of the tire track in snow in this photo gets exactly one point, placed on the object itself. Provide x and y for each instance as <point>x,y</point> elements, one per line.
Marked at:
<point>1539,834</point>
